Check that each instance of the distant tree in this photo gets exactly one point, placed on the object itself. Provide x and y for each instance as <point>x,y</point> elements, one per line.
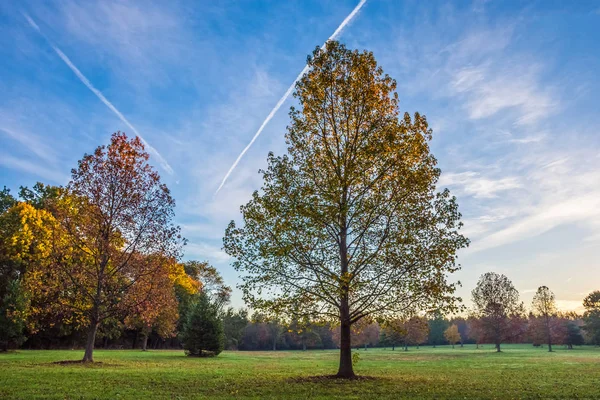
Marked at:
<point>573,335</point>
<point>349,223</point>
<point>544,306</point>
<point>256,336</point>
<point>463,329</point>
<point>437,327</point>
<point>451,334</point>
<point>302,335</point>
<point>417,330</point>
<point>116,222</point>
<point>234,323</point>
<point>475,330</point>
<point>592,316</point>
<point>497,306</point>
<point>393,333</point>
<point>202,334</point>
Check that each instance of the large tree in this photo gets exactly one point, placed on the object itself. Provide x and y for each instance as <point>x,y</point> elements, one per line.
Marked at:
<point>544,306</point>
<point>496,304</point>
<point>349,222</point>
<point>116,233</point>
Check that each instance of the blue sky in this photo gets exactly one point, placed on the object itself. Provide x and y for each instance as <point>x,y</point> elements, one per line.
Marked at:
<point>511,90</point>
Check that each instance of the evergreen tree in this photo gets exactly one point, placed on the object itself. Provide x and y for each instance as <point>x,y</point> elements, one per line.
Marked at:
<point>202,333</point>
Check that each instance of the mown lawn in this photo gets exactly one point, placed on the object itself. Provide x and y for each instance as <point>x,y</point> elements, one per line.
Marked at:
<point>521,371</point>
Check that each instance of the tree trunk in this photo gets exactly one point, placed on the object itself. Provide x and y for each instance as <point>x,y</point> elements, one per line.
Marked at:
<point>145,342</point>
<point>345,370</point>
<point>549,335</point>
<point>405,347</point>
<point>452,345</point>
<point>365,347</point>
<point>498,347</point>
<point>275,344</point>
<point>91,339</point>
<point>393,347</point>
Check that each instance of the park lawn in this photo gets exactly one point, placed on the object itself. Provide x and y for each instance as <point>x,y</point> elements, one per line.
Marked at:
<point>520,371</point>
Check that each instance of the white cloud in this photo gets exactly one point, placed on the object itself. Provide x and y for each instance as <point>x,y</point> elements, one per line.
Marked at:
<point>204,251</point>
<point>489,89</point>
<point>473,184</point>
<point>30,167</point>
<point>32,142</point>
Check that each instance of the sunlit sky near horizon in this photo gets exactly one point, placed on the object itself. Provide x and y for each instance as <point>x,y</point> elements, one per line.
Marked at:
<point>511,90</point>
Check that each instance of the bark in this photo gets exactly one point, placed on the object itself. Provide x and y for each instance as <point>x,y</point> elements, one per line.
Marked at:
<point>91,339</point>
<point>549,335</point>
<point>498,347</point>
<point>145,343</point>
<point>345,370</point>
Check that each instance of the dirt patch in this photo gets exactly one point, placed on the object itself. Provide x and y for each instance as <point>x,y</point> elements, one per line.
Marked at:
<point>331,378</point>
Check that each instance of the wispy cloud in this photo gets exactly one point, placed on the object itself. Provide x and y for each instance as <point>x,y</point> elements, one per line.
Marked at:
<point>489,91</point>
<point>32,168</point>
<point>287,93</point>
<point>473,184</point>
<point>32,142</point>
<point>164,164</point>
<point>206,251</point>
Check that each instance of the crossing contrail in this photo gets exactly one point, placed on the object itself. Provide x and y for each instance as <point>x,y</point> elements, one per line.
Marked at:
<point>164,164</point>
<point>287,93</point>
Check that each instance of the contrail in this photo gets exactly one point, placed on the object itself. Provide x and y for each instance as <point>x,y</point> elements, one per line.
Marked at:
<point>164,164</point>
<point>283,98</point>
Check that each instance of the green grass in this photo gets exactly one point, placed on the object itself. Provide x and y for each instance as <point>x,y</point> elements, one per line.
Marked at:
<point>521,371</point>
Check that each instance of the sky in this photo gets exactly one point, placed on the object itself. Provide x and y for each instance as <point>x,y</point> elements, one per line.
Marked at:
<point>511,90</point>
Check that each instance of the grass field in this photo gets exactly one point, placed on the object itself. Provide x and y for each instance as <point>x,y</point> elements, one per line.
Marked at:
<point>521,371</point>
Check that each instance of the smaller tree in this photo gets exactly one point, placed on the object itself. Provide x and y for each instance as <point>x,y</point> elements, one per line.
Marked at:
<point>573,335</point>
<point>437,326</point>
<point>544,306</point>
<point>393,333</point>
<point>417,330</point>
<point>451,334</point>
<point>497,306</point>
<point>202,334</point>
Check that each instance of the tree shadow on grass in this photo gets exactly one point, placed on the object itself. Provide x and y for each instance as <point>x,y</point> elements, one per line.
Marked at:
<point>95,364</point>
<point>332,379</point>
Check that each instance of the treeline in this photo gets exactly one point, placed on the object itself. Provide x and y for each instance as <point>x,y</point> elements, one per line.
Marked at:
<point>243,333</point>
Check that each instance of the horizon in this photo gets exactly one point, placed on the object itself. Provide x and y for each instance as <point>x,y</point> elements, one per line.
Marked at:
<point>509,91</point>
